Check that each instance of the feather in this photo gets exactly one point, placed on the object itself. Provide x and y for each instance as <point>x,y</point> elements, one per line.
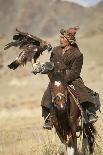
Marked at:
<point>32,47</point>
<point>14,65</point>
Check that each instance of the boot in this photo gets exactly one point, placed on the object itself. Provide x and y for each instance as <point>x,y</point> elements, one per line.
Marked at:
<point>47,120</point>
<point>92,118</point>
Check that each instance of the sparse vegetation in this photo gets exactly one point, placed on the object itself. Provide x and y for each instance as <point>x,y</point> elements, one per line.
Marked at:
<point>25,136</point>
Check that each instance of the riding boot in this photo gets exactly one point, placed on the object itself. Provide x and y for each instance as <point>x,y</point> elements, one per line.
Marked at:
<point>92,118</point>
<point>46,115</point>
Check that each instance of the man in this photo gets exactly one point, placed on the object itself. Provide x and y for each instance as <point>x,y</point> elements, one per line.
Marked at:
<point>68,55</point>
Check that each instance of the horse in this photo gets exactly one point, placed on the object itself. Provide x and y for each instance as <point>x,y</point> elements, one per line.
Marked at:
<point>64,115</point>
<point>65,111</point>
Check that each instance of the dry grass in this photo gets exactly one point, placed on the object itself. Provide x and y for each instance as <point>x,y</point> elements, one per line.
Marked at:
<point>18,137</point>
<point>25,136</point>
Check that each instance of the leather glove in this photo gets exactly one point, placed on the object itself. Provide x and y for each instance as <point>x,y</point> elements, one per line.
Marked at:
<point>47,67</point>
<point>44,69</point>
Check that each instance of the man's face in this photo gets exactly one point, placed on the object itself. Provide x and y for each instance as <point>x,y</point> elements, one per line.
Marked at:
<point>63,41</point>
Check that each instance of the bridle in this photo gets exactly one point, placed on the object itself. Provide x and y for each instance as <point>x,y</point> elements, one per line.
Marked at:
<point>60,95</point>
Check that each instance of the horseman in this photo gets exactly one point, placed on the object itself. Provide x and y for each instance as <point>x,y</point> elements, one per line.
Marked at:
<point>68,57</point>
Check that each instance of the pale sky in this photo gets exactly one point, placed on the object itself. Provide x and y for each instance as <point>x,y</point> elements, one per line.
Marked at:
<point>85,3</point>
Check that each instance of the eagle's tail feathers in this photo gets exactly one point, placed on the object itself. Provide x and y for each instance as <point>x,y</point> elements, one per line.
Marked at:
<point>14,65</point>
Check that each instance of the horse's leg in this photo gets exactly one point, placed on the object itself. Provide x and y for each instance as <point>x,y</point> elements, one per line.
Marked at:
<point>70,150</point>
<point>58,130</point>
<point>68,141</point>
<point>72,140</point>
<point>70,144</point>
<point>61,136</point>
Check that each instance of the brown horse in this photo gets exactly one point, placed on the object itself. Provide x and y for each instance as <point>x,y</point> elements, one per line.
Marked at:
<point>64,114</point>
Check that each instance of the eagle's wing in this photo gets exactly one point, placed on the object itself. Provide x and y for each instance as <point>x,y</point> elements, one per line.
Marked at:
<point>20,39</point>
<point>30,45</point>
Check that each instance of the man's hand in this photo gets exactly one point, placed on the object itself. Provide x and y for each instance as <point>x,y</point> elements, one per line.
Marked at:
<point>47,67</point>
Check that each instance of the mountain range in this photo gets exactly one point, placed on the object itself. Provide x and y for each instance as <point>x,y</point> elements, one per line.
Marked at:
<point>47,17</point>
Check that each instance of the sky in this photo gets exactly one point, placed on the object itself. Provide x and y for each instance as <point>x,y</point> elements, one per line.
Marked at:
<point>85,3</point>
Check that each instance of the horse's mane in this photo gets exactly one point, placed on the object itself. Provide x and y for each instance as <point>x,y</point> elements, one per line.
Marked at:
<point>57,76</point>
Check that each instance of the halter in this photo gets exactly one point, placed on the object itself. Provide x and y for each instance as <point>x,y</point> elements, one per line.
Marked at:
<point>59,95</point>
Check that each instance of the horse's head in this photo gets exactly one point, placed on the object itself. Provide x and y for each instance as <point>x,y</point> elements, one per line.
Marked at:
<point>59,95</point>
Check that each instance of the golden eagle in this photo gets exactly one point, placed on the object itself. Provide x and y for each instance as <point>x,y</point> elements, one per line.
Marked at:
<point>31,46</point>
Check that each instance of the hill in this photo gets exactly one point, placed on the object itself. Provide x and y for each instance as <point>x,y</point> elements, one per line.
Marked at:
<point>46,17</point>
